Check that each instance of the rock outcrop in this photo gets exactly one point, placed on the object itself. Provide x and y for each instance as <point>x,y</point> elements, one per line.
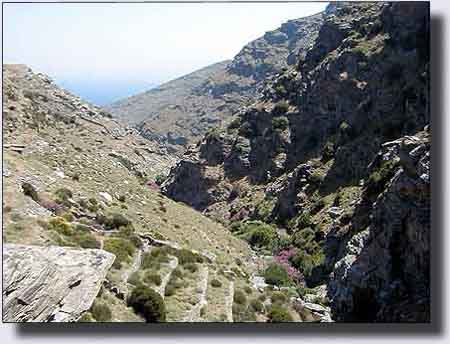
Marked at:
<point>364,287</point>
<point>336,149</point>
<point>51,284</point>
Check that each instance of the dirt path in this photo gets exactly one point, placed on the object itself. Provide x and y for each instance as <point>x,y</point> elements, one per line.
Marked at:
<point>194,314</point>
<point>229,302</point>
<point>135,265</point>
<point>165,279</point>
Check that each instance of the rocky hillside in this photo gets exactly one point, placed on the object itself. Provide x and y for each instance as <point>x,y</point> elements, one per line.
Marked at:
<point>328,171</point>
<point>77,185</point>
<point>181,111</point>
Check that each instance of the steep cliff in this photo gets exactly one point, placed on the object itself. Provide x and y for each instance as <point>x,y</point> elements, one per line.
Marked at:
<point>309,158</point>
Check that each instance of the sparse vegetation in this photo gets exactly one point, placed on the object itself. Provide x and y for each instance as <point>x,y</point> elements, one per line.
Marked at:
<point>101,312</point>
<point>216,283</point>
<point>279,314</point>
<point>380,177</point>
<point>122,248</point>
<point>151,277</point>
<point>186,256</point>
<point>60,225</point>
<point>257,305</point>
<point>63,195</point>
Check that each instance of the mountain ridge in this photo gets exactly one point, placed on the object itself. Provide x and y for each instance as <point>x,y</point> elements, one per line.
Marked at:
<point>179,113</point>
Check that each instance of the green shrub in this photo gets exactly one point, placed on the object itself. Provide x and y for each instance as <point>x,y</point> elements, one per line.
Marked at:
<point>63,195</point>
<point>174,282</point>
<point>68,216</point>
<point>186,256</point>
<point>277,275</point>
<point>160,254</point>
<point>123,249</point>
<point>280,108</point>
<point>306,262</point>
<point>148,303</point>
<point>278,297</point>
<point>280,90</point>
<point>259,234</point>
<point>316,177</point>
<point>191,267</point>
<point>115,221</point>
<point>248,290</point>
<point>257,305</point>
<point>303,238</point>
<point>151,277</point>
<point>122,198</point>
<point>216,283</point>
<point>30,191</point>
<point>101,312</point>
<point>284,242</point>
<point>150,262</point>
<point>304,220</point>
<point>86,240</point>
<point>60,225</point>
<point>76,176</point>
<point>239,297</point>
<point>278,314</point>
<point>280,123</point>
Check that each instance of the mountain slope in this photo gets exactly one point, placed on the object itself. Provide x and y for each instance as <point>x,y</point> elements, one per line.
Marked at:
<point>74,177</point>
<point>332,163</point>
<point>181,111</point>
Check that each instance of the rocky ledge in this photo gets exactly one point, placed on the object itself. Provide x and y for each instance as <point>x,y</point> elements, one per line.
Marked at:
<point>51,284</point>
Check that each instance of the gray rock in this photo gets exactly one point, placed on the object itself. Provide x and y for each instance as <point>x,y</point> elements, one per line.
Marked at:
<point>51,284</point>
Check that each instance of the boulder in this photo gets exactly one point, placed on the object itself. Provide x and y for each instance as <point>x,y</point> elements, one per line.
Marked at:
<point>106,197</point>
<point>51,284</point>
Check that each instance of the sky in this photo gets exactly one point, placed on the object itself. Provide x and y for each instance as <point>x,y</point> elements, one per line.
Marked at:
<point>105,52</point>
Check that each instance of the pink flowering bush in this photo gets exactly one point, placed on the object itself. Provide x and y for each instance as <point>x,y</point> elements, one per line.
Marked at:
<point>283,259</point>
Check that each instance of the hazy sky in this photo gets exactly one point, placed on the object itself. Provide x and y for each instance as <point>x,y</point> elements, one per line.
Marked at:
<point>104,52</point>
